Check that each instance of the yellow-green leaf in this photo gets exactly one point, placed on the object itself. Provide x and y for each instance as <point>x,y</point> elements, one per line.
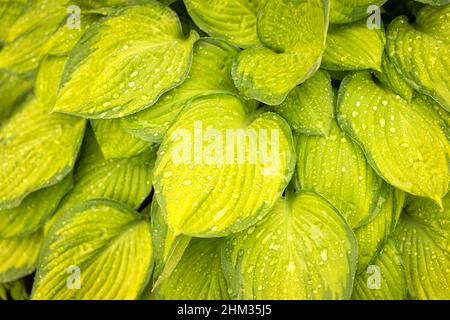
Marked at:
<point>303,249</point>
<point>404,142</point>
<point>38,150</point>
<point>125,63</point>
<point>99,250</point>
<point>219,168</point>
<point>420,52</point>
<point>291,52</point>
<point>423,235</point>
<point>385,277</point>
<point>345,11</point>
<point>335,167</point>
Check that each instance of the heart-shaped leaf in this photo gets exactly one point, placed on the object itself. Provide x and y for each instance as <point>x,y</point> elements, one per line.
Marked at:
<point>128,180</point>
<point>291,53</point>
<point>221,169</point>
<point>198,275</point>
<point>125,63</point>
<point>384,279</point>
<point>38,150</point>
<point>303,249</point>
<point>345,11</point>
<point>373,235</point>
<point>34,210</point>
<point>98,242</point>
<point>12,90</point>
<point>29,33</point>
<point>18,256</point>
<point>390,77</point>
<point>309,107</point>
<point>353,47</point>
<point>232,20</point>
<point>115,142</point>
<point>420,52</point>
<point>423,234</point>
<point>335,167</point>
<point>210,73</point>
<point>404,142</point>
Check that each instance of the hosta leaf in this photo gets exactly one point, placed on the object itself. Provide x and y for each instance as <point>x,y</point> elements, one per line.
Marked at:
<point>309,107</point>
<point>335,167</point>
<point>29,33</point>
<point>385,278</point>
<point>404,142</point>
<point>14,290</point>
<point>124,63</point>
<point>238,167</point>
<point>18,256</point>
<point>115,142</point>
<point>168,249</point>
<point>48,77</point>
<point>110,244</point>
<point>420,52</point>
<point>373,235</point>
<point>34,210</point>
<point>12,89</point>
<point>291,53</point>
<point>209,73</point>
<point>38,150</point>
<point>353,47</point>
<point>423,235</point>
<point>198,275</point>
<point>392,78</point>
<point>303,249</point>
<point>344,11</point>
<point>128,180</point>
<point>232,20</point>
<point>10,10</point>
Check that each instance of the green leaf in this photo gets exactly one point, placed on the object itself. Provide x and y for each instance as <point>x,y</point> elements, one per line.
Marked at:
<point>420,52</point>
<point>10,10</point>
<point>127,180</point>
<point>18,256</point>
<point>168,249</point>
<point>335,167</point>
<point>48,77</point>
<point>125,63</point>
<point>198,275</point>
<point>390,77</point>
<point>373,235</point>
<point>345,11</point>
<point>38,150</point>
<point>353,47</point>
<point>110,244</point>
<point>115,142</point>
<point>210,73</point>
<point>34,210</point>
<point>303,249</point>
<point>232,20</point>
<point>423,235</point>
<point>291,53</point>
<point>15,290</point>
<point>309,107</point>
<point>12,90</point>
<point>220,169</point>
<point>28,35</point>
<point>404,142</point>
<point>388,268</point>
